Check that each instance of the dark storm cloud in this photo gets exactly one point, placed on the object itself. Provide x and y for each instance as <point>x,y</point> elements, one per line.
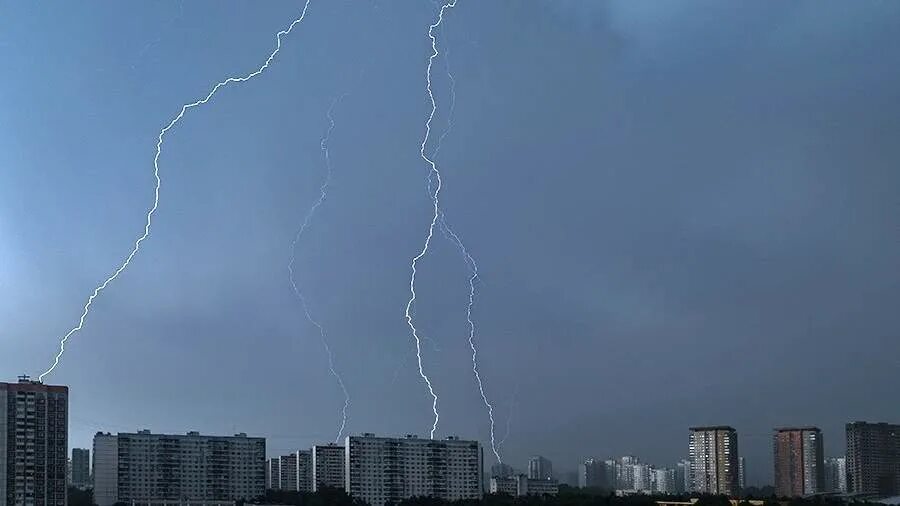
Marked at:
<point>683,213</point>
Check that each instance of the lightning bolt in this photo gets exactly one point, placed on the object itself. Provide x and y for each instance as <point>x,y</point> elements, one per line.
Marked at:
<point>323,193</point>
<point>470,263</point>
<point>162,134</point>
<point>435,199</point>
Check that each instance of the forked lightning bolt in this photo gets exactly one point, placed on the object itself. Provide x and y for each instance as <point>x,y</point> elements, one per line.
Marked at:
<point>323,194</point>
<point>435,199</point>
<point>470,263</point>
<point>162,133</point>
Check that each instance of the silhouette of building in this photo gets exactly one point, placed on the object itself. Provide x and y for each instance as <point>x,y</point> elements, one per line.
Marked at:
<point>380,470</point>
<point>501,470</point>
<point>33,443</point>
<point>81,468</point>
<point>143,467</point>
<point>592,473</point>
<point>327,467</point>
<point>683,476</point>
<point>873,458</point>
<point>540,468</point>
<point>799,461</point>
<point>714,460</point>
<point>836,475</point>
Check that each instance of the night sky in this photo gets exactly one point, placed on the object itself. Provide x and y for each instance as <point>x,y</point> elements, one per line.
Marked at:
<point>683,213</point>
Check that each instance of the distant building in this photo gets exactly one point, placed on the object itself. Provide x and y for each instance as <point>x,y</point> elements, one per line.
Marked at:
<point>873,458</point>
<point>742,473</point>
<point>273,473</point>
<point>592,473</point>
<point>664,481</point>
<point>382,470</point>
<point>540,468</point>
<point>142,468</point>
<point>296,471</point>
<point>642,478</point>
<point>799,461</point>
<point>521,485</point>
<point>714,460</point>
<point>501,470</point>
<point>625,472</point>
<point>327,467</point>
<point>81,468</point>
<point>33,443</point>
<point>683,476</point>
<point>836,475</point>
<point>611,472</point>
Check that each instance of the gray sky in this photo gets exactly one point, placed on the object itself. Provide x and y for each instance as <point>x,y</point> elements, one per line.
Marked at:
<point>683,213</point>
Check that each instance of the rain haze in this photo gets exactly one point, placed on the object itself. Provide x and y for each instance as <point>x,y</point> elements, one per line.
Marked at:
<point>683,213</point>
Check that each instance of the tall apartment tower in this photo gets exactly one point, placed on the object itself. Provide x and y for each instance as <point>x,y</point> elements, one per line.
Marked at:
<point>799,461</point>
<point>81,468</point>
<point>142,467</point>
<point>273,473</point>
<point>836,475</point>
<point>33,443</point>
<point>380,470</point>
<point>327,467</point>
<point>592,473</point>
<point>714,460</point>
<point>296,471</point>
<point>683,481</point>
<point>742,473</point>
<point>540,468</point>
<point>873,458</point>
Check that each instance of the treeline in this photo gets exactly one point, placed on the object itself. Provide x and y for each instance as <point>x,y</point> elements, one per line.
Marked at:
<point>568,496</point>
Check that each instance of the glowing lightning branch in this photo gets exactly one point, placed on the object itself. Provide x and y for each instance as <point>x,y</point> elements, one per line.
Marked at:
<point>470,262</point>
<point>162,133</point>
<point>435,214</point>
<point>323,193</point>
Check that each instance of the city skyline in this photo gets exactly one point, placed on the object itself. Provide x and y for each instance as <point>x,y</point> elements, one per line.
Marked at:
<point>681,216</point>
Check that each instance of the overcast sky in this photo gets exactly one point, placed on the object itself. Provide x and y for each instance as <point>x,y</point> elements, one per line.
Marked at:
<point>682,212</point>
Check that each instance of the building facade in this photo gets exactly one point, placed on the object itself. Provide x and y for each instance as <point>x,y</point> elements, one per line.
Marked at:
<point>501,470</point>
<point>742,473</point>
<point>664,481</point>
<point>643,478</point>
<point>296,471</point>
<point>873,458</point>
<point>592,473</point>
<point>143,467</point>
<point>521,485</point>
<point>714,460</point>
<point>379,470</point>
<point>683,481</point>
<point>81,468</point>
<point>327,467</point>
<point>836,475</point>
<point>34,427</point>
<point>799,461</point>
<point>625,472</point>
<point>540,468</point>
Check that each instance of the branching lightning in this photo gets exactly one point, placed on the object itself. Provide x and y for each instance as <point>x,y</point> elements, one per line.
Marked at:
<point>323,194</point>
<point>162,133</point>
<point>470,262</point>
<point>435,199</point>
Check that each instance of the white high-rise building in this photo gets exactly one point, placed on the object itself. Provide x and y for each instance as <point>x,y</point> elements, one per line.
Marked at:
<point>33,443</point>
<point>664,481</point>
<point>327,467</point>
<point>642,478</point>
<point>836,475</point>
<point>379,470</point>
<point>714,460</point>
<point>143,467</point>
<point>625,472</point>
